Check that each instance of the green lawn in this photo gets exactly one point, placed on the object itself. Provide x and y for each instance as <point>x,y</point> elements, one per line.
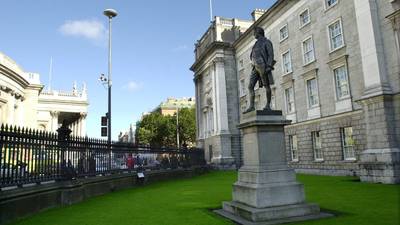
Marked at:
<point>188,202</point>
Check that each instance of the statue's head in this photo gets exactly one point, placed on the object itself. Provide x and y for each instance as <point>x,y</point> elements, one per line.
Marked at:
<point>258,32</point>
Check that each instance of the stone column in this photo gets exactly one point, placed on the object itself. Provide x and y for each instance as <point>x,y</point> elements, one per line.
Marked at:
<point>267,190</point>
<point>371,47</point>
<point>78,127</point>
<point>54,120</point>
<point>82,131</point>
<point>74,128</point>
<point>380,161</point>
<point>199,101</point>
<point>213,74</point>
<point>223,154</point>
<point>11,108</point>
<point>220,94</point>
<point>395,20</point>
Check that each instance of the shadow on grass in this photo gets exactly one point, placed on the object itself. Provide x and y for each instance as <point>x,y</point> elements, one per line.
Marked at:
<point>336,213</point>
<point>352,180</point>
<point>210,212</point>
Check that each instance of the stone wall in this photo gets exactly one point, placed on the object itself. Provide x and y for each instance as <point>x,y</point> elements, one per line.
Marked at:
<point>380,162</point>
<point>333,162</point>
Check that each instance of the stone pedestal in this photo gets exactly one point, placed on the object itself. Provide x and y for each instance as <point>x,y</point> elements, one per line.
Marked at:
<point>267,191</point>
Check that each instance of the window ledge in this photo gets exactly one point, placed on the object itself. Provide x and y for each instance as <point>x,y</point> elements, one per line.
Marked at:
<point>343,99</point>
<point>286,74</point>
<point>319,160</point>
<point>304,25</point>
<point>337,49</point>
<point>314,107</point>
<point>280,41</point>
<point>327,8</point>
<point>294,161</point>
<point>309,63</point>
<point>349,160</point>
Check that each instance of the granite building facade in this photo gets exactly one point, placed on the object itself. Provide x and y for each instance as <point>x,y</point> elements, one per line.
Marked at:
<point>217,110</point>
<point>337,78</point>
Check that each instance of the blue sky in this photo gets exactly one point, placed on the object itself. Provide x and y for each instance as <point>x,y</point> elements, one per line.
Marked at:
<point>153,43</point>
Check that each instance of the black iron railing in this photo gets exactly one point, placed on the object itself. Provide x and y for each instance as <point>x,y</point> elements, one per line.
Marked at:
<point>32,156</point>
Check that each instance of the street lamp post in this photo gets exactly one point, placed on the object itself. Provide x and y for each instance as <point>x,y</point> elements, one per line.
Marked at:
<point>177,127</point>
<point>110,13</point>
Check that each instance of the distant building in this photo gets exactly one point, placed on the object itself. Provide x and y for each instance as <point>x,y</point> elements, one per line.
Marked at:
<point>170,106</point>
<point>127,136</point>
<point>337,78</point>
<point>25,103</point>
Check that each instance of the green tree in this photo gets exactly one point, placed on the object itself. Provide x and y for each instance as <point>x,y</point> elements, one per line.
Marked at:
<point>158,130</point>
<point>187,125</point>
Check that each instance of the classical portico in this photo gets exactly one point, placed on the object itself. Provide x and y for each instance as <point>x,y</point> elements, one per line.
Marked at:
<point>24,102</point>
<point>56,107</point>
<point>215,81</point>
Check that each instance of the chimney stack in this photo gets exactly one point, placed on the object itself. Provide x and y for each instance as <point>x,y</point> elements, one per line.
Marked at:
<point>257,13</point>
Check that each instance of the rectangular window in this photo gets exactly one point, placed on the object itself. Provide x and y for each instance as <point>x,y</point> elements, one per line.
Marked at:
<point>312,92</point>
<point>211,120</point>
<point>273,100</point>
<point>241,63</point>
<point>341,82</point>
<point>308,51</point>
<point>242,88</point>
<point>205,124</point>
<point>336,35</point>
<point>348,143</point>
<point>305,18</point>
<point>317,146</point>
<point>330,3</point>
<point>289,100</point>
<point>283,33</point>
<point>293,147</point>
<point>286,63</point>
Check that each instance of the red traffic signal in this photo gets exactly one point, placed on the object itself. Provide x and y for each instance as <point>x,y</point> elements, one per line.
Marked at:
<point>104,121</point>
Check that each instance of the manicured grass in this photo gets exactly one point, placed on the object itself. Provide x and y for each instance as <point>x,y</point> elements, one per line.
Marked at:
<point>188,202</point>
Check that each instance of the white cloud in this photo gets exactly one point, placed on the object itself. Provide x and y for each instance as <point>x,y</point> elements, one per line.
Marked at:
<point>92,30</point>
<point>132,86</point>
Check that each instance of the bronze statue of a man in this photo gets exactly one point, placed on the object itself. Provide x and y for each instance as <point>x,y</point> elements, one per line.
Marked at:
<point>262,59</point>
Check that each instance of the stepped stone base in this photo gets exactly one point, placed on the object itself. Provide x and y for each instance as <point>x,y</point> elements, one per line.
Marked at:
<point>246,215</point>
<point>267,191</point>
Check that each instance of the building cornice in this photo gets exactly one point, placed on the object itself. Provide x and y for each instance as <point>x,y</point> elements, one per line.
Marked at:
<point>215,45</point>
<point>273,9</point>
<point>63,102</point>
<point>38,87</point>
<point>393,15</point>
<point>14,76</point>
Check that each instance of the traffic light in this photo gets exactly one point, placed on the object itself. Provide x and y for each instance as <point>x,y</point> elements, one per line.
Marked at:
<point>104,131</point>
<point>104,125</point>
<point>104,121</point>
